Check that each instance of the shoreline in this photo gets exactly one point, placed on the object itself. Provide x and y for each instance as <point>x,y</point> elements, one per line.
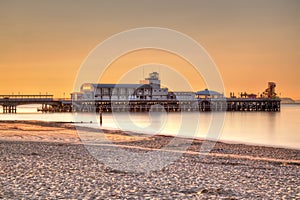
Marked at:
<point>105,130</point>
<point>66,132</point>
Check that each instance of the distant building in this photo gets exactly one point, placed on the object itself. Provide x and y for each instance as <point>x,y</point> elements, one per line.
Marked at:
<point>287,100</point>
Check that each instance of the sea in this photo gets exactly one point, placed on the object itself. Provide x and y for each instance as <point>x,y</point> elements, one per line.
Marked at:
<point>275,129</point>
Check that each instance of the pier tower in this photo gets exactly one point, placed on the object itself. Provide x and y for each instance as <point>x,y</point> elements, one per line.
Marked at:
<point>152,80</point>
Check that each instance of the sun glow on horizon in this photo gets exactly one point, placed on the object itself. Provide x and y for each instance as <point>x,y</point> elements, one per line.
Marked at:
<point>252,43</point>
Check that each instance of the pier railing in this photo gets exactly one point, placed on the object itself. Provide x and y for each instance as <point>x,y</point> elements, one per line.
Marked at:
<point>9,103</point>
<point>20,96</point>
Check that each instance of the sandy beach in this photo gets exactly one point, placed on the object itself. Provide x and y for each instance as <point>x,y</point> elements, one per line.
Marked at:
<point>49,160</point>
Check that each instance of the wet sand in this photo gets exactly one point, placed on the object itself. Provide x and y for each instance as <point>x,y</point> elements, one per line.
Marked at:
<point>41,160</point>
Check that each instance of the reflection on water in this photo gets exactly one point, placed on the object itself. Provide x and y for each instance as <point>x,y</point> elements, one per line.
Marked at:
<point>265,128</point>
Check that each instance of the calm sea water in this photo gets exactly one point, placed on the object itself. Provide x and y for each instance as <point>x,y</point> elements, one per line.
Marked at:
<point>281,129</point>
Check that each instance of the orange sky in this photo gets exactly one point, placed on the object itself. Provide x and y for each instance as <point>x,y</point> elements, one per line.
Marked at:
<point>43,43</point>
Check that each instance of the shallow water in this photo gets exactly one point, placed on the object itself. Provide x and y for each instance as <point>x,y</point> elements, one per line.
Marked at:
<point>263,128</point>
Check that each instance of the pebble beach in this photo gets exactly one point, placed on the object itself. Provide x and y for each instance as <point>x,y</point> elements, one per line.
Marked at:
<point>48,160</point>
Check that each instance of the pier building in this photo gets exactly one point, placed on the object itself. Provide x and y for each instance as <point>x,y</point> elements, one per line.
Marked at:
<point>148,89</point>
<point>149,94</point>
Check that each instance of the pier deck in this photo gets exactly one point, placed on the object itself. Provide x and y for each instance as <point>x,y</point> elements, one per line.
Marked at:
<point>202,105</point>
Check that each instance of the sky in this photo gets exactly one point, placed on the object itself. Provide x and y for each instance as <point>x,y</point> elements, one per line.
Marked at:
<point>252,42</point>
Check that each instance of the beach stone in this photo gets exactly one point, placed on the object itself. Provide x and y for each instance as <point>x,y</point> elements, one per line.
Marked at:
<point>38,170</point>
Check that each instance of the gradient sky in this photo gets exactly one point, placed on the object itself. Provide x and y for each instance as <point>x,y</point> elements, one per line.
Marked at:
<point>43,43</point>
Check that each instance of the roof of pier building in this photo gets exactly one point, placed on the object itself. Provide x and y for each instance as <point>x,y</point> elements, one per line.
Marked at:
<point>207,92</point>
<point>121,86</point>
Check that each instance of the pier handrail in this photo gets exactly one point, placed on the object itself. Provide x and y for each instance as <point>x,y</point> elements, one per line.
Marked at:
<point>21,96</point>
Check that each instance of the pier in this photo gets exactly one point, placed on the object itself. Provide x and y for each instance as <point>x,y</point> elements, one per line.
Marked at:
<point>49,104</point>
<point>147,96</point>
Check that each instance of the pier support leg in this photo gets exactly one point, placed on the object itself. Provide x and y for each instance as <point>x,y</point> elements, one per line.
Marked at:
<point>100,113</point>
<point>14,109</point>
<point>9,109</point>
